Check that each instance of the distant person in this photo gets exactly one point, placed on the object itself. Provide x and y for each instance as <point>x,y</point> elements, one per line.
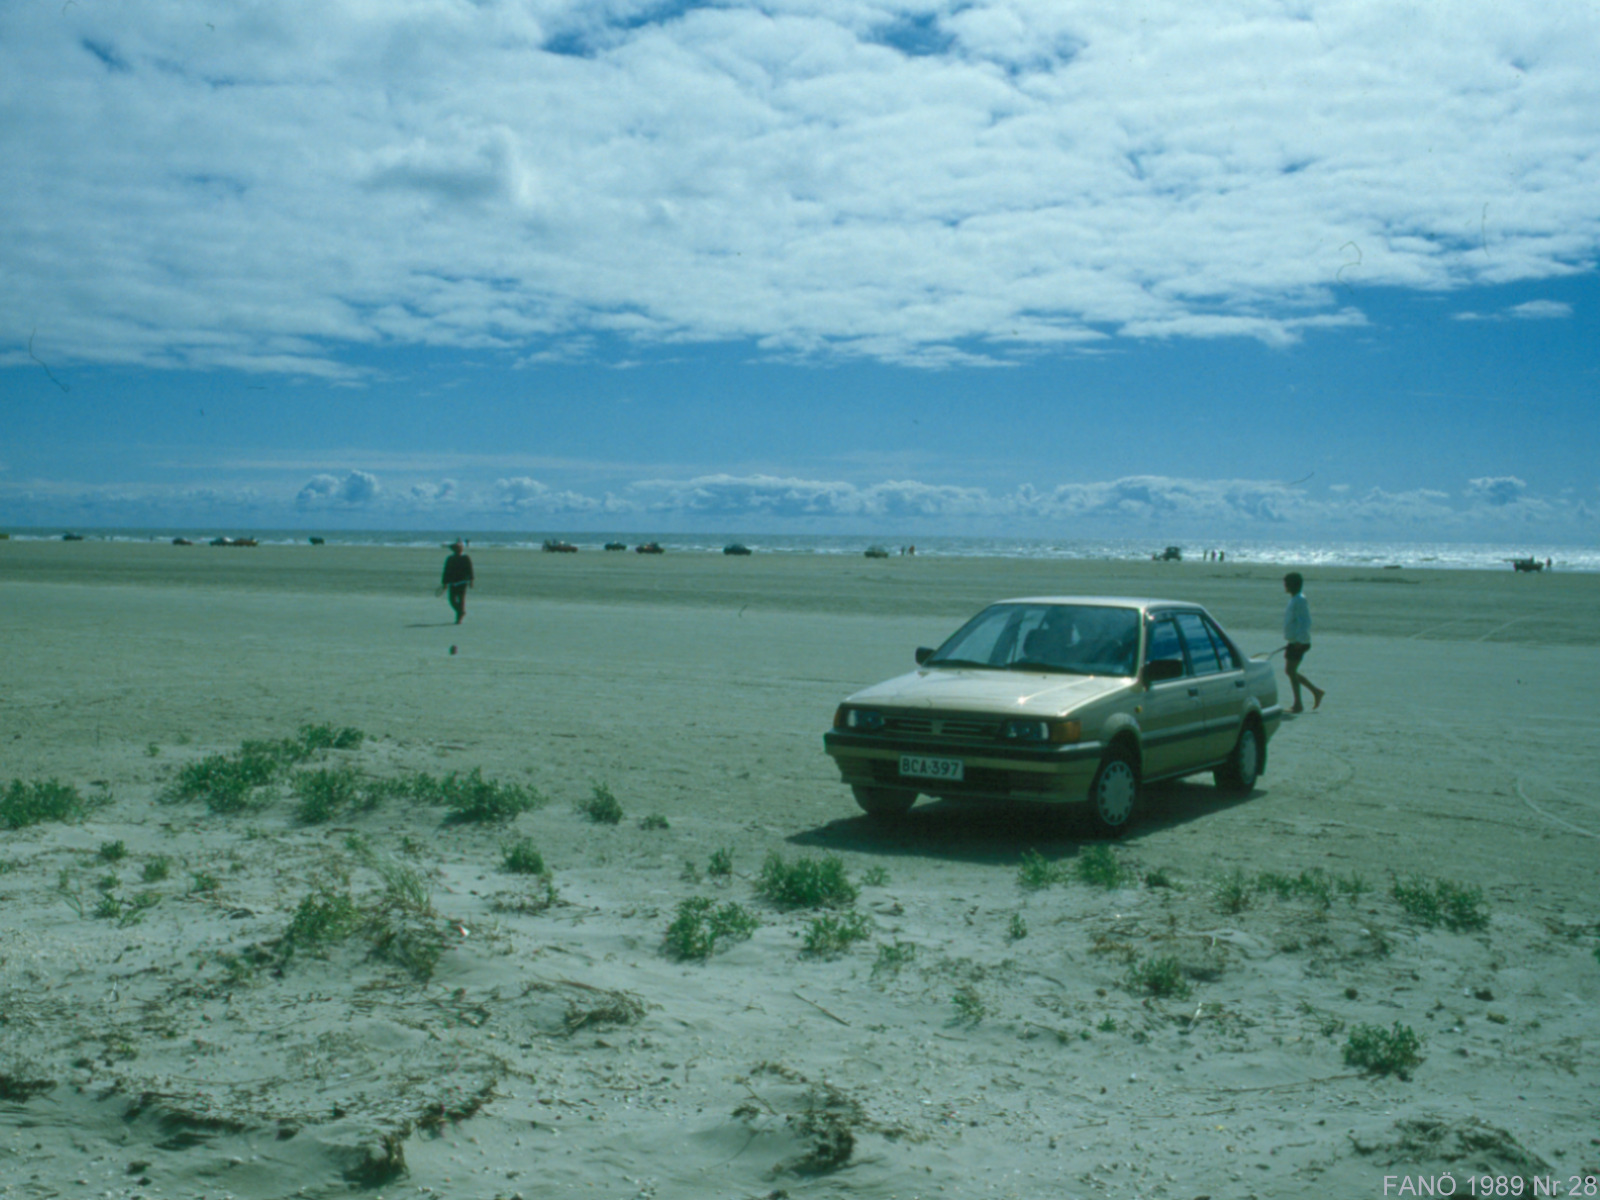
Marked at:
<point>457,578</point>
<point>1297,636</point>
<point>1221,555</point>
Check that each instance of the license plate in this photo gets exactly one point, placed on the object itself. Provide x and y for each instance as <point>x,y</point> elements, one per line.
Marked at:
<point>917,766</point>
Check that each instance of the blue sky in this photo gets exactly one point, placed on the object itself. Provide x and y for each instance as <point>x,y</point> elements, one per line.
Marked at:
<point>1257,269</point>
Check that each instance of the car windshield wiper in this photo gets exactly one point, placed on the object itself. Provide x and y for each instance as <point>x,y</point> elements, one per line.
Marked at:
<point>960,662</point>
<point>1033,664</point>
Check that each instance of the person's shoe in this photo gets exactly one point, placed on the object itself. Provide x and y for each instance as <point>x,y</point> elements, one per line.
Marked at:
<point>1316,700</point>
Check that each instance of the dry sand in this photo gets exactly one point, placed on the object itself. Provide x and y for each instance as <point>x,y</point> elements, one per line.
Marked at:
<point>558,1051</point>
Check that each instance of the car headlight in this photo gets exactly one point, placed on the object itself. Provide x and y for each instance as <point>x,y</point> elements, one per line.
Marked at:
<point>858,720</point>
<point>1030,730</point>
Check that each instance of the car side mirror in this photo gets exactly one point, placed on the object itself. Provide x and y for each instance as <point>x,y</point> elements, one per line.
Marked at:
<point>1162,669</point>
<point>924,653</point>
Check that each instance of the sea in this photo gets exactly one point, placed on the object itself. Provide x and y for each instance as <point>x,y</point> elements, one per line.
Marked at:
<point>1284,552</point>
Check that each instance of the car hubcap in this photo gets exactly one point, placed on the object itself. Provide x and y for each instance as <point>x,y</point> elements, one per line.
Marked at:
<point>1114,798</point>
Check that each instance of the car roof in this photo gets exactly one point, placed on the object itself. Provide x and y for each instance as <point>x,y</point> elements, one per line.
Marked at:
<point>1143,603</point>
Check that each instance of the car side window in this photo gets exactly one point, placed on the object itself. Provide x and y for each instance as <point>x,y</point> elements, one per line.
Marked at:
<point>1202,654</point>
<point>1163,641</point>
<point>1227,652</point>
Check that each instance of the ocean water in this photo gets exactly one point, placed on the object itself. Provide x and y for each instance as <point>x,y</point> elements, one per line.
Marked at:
<point>1285,552</point>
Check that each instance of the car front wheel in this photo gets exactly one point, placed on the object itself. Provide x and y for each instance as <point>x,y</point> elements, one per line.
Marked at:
<point>1238,774</point>
<point>1114,794</point>
<point>884,803</point>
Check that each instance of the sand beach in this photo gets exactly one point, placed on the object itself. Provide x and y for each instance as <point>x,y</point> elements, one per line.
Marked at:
<point>264,998</point>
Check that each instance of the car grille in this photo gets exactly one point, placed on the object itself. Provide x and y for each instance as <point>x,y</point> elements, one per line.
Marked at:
<point>976,729</point>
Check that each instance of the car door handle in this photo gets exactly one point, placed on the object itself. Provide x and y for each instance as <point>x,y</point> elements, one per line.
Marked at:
<point>1238,683</point>
<point>1194,691</point>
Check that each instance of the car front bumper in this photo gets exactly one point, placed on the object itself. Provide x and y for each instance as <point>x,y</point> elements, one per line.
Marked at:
<point>1060,774</point>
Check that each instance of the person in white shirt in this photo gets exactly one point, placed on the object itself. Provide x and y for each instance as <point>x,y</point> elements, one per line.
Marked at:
<point>1297,635</point>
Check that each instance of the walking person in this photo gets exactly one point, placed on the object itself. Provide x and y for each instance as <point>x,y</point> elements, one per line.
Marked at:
<point>1297,636</point>
<point>457,578</point>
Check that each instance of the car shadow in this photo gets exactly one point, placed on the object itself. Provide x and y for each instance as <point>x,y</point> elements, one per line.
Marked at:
<point>431,625</point>
<point>1000,832</point>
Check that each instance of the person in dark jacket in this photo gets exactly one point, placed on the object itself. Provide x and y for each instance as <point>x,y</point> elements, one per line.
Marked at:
<point>457,578</point>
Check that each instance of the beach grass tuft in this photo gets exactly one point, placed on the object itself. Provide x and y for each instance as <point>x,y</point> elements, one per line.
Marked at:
<point>701,924</point>
<point>33,802</point>
<point>474,800</point>
<point>522,858</point>
<point>830,935</point>
<point>806,882</point>
<point>602,807</point>
<point>1099,866</point>
<point>1444,902</point>
<point>1161,976</point>
<point>1394,1051</point>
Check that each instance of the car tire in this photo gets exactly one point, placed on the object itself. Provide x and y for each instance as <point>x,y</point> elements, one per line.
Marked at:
<point>1114,794</point>
<point>883,803</point>
<point>1239,774</point>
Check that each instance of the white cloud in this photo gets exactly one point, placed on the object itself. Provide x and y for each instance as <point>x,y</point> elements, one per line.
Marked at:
<point>1533,310</point>
<point>1497,490</point>
<point>1541,310</point>
<point>916,182</point>
<point>525,495</point>
<point>358,489</point>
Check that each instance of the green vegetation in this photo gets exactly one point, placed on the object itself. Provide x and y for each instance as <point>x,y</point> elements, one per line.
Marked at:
<point>1161,976</point>
<point>203,883</point>
<point>1017,929</point>
<point>701,924</point>
<point>1442,902</point>
<point>1037,872</point>
<point>475,800</point>
<point>601,807</point>
<point>829,935</point>
<point>322,919</point>
<point>1098,866</point>
<point>721,864</point>
<point>325,792</point>
<point>522,858</point>
<point>398,923</point>
<point>1233,892</point>
<point>1395,1051</point>
<point>806,882</point>
<point>654,821</point>
<point>31,803</point>
<point>875,877</point>
<point>156,869</point>
<point>892,958</point>
<point>969,1006</point>
<point>229,783</point>
<point>113,851</point>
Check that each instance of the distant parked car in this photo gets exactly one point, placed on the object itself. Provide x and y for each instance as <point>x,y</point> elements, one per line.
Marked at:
<point>616,546</point>
<point>552,546</point>
<point>1170,554</point>
<point>736,548</point>
<point>648,548</point>
<point>1077,700</point>
<point>877,552</point>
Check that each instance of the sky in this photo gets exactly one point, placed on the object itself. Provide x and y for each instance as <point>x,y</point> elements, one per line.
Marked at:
<point>1257,268</point>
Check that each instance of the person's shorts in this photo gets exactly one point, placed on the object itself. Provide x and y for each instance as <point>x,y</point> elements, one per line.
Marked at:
<point>1293,653</point>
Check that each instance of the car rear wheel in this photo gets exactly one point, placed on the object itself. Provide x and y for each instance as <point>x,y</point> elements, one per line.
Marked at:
<point>885,803</point>
<point>1239,773</point>
<point>1114,794</point>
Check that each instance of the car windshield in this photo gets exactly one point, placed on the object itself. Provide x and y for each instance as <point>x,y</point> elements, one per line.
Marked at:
<point>1076,639</point>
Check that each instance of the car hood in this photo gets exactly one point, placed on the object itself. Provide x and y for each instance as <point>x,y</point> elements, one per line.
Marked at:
<point>962,689</point>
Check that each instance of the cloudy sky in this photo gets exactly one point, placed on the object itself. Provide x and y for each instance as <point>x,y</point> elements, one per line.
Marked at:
<point>1295,268</point>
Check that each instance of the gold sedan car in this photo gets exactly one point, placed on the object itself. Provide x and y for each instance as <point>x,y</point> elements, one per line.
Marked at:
<point>1078,700</point>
